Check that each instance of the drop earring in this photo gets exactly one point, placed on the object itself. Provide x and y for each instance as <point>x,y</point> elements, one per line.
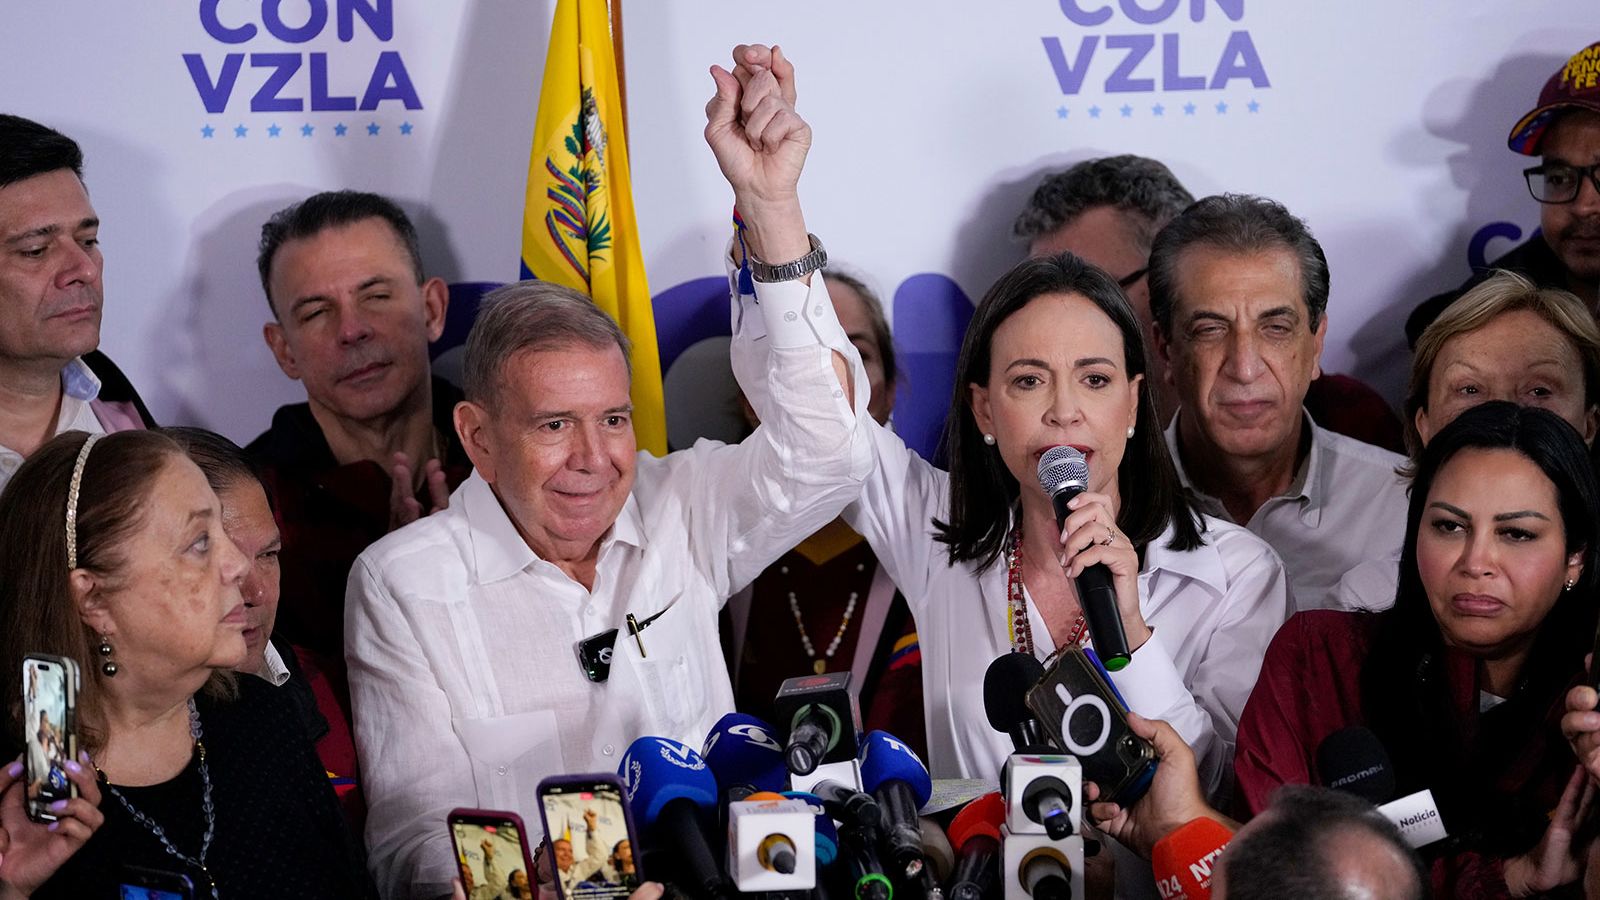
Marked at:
<point>109,667</point>
<point>988,439</point>
<point>1571,583</point>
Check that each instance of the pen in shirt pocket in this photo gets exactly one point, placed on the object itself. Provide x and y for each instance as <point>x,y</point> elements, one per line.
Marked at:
<point>636,628</point>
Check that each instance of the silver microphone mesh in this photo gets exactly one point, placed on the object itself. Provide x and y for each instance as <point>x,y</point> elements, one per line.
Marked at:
<point>1061,467</point>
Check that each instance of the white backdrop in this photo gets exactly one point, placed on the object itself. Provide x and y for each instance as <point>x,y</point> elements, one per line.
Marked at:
<point>1381,123</point>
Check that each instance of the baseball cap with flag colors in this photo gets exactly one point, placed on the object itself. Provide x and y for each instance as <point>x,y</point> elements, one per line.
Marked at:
<point>1576,85</point>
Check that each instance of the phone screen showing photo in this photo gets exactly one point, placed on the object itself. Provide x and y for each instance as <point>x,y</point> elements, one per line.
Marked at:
<point>490,856</point>
<point>590,852</point>
<point>46,736</point>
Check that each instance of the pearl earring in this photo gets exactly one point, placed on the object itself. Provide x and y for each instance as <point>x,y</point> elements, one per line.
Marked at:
<point>1571,583</point>
<point>1130,432</point>
<point>109,667</point>
<point>988,439</point>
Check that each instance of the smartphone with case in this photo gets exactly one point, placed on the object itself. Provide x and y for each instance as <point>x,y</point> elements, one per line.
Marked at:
<point>588,815</point>
<point>492,849</point>
<point>49,705</point>
<point>1085,716</point>
<point>138,883</point>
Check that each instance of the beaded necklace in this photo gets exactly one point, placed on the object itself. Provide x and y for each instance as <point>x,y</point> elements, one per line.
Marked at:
<point>205,804</point>
<point>1017,604</point>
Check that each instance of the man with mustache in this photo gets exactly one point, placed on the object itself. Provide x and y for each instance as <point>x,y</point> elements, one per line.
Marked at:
<point>1239,295</point>
<point>373,447</point>
<point>52,379</point>
<point>1564,129</point>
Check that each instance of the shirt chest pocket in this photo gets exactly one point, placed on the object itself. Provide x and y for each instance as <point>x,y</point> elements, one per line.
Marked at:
<point>669,676</point>
<point>509,754</point>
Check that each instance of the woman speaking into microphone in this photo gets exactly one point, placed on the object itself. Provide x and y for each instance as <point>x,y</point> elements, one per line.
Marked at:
<point>1053,357</point>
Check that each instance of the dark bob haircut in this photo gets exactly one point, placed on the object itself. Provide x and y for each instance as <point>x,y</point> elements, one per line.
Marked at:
<point>983,493</point>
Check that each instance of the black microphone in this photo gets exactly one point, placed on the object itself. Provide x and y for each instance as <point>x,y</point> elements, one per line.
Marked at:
<point>1047,876</point>
<point>820,719</point>
<point>1005,689</point>
<point>851,807</point>
<point>1353,760</point>
<point>1064,474</point>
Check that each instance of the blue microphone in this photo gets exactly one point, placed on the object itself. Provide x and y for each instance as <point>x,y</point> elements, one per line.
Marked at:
<point>745,756</point>
<point>668,785</point>
<point>892,773</point>
<point>827,833</point>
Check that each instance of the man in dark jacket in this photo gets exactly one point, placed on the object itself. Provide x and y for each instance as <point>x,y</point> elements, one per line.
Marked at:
<point>1563,129</point>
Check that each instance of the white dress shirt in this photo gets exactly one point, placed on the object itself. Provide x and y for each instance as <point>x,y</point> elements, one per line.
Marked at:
<point>79,388</point>
<point>1345,505</point>
<point>1369,586</point>
<point>461,641</point>
<point>1212,612</point>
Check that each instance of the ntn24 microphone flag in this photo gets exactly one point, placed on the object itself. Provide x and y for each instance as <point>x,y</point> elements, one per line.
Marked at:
<point>578,223</point>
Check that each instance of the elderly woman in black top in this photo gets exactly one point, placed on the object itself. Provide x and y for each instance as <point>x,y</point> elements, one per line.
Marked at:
<point>112,553</point>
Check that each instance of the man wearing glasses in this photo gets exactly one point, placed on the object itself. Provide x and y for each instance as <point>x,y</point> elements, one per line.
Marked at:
<point>1564,129</point>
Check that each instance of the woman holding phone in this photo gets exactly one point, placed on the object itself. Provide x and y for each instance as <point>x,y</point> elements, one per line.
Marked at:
<point>112,554</point>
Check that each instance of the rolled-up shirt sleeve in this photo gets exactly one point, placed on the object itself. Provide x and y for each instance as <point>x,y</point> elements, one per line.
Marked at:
<point>412,762</point>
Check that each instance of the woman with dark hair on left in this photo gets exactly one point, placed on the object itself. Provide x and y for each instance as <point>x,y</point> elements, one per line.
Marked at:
<point>1462,681</point>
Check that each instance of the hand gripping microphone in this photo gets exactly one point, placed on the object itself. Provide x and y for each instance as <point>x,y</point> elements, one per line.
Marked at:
<point>894,775</point>
<point>1184,861</point>
<point>668,785</point>
<point>744,755</point>
<point>975,835</point>
<point>819,715</point>
<point>1064,474</point>
<point>1353,759</point>
<point>1005,689</point>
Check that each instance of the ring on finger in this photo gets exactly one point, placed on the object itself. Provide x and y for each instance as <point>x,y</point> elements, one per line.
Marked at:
<point>1111,537</point>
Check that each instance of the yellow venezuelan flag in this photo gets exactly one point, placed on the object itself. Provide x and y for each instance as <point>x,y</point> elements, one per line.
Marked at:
<point>578,227</point>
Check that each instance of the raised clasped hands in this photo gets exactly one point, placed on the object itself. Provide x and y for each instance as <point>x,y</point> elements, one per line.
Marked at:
<point>760,143</point>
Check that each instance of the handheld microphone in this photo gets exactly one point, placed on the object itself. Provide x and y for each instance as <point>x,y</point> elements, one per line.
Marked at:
<point>1353,759</point>
<point>1046,874</point>
<point>936,849</point>
<point>851,807</point>
<point>1041,791</point>
<point>1005,687</point>
<point>975,834</point>
<point>827,833</point>
<point>745,756</point>
<point>821,720</point>
<point>668,785</point>
<point>894,775</point>
<point>771,844</point>
<point>1064,474</point>
<point>1184,860</point>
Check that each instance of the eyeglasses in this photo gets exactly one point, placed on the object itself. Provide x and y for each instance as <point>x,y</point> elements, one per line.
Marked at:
<point>1132,278</point>
<point>1558,182</point>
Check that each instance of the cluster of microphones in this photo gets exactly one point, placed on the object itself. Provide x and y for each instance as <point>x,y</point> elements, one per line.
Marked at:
<point>809,807</point>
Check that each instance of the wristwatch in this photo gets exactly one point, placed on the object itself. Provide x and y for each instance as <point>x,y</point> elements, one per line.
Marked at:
<point>789,271</point>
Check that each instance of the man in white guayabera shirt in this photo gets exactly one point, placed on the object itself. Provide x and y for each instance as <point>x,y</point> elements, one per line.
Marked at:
<point>466,630</point>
